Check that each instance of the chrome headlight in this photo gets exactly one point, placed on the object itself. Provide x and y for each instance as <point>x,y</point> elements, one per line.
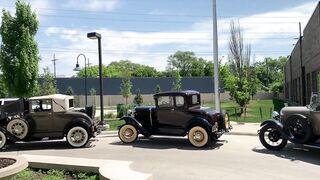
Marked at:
<point>275,115</point>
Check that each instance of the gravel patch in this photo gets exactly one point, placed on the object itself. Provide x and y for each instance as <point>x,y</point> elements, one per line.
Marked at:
<point>4,162</point>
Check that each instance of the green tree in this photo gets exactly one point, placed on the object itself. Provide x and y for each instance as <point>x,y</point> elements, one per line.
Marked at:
<point>125,88</point>
<point>157,89</point>
<point>122,68</point>
<point>3,89</point>
<point>93,92</point>
<point>48,85</point>
<point>70,91</point>
<point>270,73</point>
<point>177,83</point>
<point>239,60</point>
<point>19,52</point>
<point>138,99</point>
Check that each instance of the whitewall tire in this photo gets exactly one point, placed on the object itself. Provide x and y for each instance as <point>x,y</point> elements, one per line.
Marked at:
<point>3,139</point>
<point>77,137</point>
<point>198,137</point>
<point>18,127</point>
<point>128,133</point>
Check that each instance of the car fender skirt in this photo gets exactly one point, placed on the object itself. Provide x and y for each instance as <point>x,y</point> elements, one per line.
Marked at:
<point>135,123</point>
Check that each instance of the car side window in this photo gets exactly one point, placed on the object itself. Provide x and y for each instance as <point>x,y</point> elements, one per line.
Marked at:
<point>41,105</point>
<point>165,101</point>
<point>179,101</point>
<point>35,106</point>
<point>195,99</point>
<point>46,105</point>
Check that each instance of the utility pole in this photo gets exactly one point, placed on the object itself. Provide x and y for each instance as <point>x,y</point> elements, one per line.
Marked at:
<point>88,63</point>
<point>303,82</point>
<point>215,55</point>
<point>54,65</point>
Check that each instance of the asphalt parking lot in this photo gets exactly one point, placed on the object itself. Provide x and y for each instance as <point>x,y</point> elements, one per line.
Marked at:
<point>232,157</point>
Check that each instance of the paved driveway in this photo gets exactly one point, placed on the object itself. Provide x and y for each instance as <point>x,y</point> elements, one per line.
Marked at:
<point>233,157</point>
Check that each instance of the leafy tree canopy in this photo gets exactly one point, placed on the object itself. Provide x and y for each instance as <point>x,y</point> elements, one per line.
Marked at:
<point>19,52</point>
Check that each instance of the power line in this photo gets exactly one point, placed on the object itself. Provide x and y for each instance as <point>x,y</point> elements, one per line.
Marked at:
<point>175,15</point>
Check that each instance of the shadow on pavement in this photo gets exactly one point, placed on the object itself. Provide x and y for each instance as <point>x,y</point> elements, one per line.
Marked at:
<point>294,153</point>
<point>168,143</point>
<point>41,145</point>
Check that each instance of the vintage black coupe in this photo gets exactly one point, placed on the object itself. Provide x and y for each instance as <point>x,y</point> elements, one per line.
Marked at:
<point>176,114</point>
<point>298,124</point>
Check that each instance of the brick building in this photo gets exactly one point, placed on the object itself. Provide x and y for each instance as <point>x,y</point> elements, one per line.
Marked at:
<point>302,70</point>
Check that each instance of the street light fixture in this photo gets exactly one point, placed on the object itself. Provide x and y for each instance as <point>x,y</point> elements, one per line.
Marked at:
<point>95,35</point>
<point>77,68</point>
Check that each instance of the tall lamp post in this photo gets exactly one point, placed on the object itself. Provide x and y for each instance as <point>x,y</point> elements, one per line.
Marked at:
<point>77,68</point>
<point>95,35</point>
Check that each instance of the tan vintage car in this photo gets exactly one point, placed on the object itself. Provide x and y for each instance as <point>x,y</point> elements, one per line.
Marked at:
<point>50,117</point>
<point>298,124</point>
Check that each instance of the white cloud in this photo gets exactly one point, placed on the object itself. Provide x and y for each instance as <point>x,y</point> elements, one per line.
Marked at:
<point>143,47</point>
<point>96,5</point>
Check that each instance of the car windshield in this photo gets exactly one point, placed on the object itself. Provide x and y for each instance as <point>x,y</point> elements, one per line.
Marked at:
<point>315,102</point>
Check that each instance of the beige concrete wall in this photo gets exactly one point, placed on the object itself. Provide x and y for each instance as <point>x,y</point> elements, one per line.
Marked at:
<point>113,100</point>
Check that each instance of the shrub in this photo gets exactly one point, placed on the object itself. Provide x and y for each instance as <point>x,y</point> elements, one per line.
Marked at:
<point>122,110</point>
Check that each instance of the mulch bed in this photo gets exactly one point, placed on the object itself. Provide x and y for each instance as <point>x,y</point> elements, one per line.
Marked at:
<point>4,162</point>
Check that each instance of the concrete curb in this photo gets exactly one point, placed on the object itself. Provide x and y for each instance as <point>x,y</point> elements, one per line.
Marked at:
<point>107,169</point>
<point>8,172</point>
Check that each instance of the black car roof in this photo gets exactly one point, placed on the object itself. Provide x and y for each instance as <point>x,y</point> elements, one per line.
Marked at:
<point>175,93</point>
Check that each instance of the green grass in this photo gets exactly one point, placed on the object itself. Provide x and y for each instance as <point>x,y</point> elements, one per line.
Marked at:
<point>53,174</point>
<point>114,123</point>
<point>253,113</point>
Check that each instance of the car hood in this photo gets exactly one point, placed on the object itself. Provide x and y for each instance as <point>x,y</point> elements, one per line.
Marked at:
<point>205,111</point>
<point>290,110</point>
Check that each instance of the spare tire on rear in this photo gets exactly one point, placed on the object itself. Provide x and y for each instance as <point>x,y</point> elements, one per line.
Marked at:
<point>18,127</point>
<point>298,129</point>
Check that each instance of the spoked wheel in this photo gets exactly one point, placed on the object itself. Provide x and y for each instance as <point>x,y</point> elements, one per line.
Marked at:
<point>271,138</point>
<point>198,137</point>
<point>298,129</point>
<point>18,127</point>
<point>77,137</point>
<point>3,139</point>
<point>128,133</point>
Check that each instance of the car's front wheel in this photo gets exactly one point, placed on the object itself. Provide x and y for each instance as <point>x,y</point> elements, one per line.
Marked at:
<point>77,137</point>
<point>271,138</point>
<point>3,139</point>
<point>198,137</point>
<point>128,133</point>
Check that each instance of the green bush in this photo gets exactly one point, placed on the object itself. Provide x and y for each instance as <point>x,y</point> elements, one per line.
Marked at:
<point>122,110</point>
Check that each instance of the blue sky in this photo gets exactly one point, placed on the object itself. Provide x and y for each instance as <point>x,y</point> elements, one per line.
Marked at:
<point>148,31</point>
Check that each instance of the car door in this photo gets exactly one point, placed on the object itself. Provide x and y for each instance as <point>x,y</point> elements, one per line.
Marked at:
<point>165,111</point>
<point>41,113</point>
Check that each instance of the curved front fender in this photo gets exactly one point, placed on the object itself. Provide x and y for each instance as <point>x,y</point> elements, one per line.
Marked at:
<point>276,124</point>
<point>135,123</point>
<point>272,122</point>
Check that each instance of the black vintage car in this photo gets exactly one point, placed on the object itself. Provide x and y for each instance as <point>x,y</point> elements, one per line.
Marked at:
<point>50,117</point>
<point>298,124</point>
<point>176,114</point>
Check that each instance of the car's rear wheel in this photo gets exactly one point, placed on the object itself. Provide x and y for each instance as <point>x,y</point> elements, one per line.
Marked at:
<point>3,139</point>
<point>77,137</point>
<point>271,138</point>
<point>128,133</point>
<point>18,127</point>
<point>198,136</point>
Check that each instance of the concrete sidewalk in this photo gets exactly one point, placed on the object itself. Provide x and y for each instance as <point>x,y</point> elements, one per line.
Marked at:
<point>107,169</point>
<point>245,129</point>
